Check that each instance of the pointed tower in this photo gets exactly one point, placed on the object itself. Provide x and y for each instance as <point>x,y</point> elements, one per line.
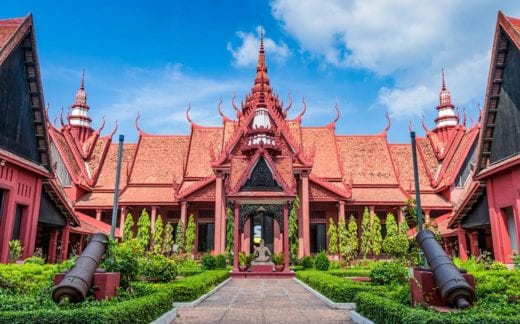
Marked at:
<point>78,118</point>
<point>446,110</point>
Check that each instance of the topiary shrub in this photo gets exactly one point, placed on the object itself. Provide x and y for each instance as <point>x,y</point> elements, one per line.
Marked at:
<point>124,258</point>
<point>307,262</point>
<point>383,273</point>
<point>498,266</point>
<point>208,262</point>
<point>34,260</point>
<point>322,262</point>
<point>158,268</point>
<point>220,261</point>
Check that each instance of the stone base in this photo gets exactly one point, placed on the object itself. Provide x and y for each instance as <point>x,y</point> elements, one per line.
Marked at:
<point>261,267</point>
<point>424,290</point>
<point>262,274</point>
<point>105,283</point>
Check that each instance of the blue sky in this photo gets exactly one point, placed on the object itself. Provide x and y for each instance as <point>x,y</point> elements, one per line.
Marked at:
<point>370,57</point>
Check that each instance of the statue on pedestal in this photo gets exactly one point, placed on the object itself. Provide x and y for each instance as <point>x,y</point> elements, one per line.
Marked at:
<point>262,253</point>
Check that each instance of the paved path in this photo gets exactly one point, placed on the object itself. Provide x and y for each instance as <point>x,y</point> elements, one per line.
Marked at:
<point>262,301</point>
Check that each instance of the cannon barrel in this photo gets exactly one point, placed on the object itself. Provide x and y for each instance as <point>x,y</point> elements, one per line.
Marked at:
<point>454,289</point>
<point>77,281</point>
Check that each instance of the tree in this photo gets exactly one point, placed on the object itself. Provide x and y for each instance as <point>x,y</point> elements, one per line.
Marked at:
<point>168,239</point>
<point>352,237</point>
<point>395,244</point>
<point>293,229</point>
<point>333,237</point>
<point>190,235</point>
<point>143,229</point>
<point>229,230</point>
<point>128,232</point>
<point>366,234</point>
<point>157,235</point>
<point>343,239</point>
<point>179,236</point>
<point>377,239</point>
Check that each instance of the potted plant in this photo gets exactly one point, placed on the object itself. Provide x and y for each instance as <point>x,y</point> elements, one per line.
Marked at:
<point>278,260</point>
<point>15,250</point>
<point>243,261</point>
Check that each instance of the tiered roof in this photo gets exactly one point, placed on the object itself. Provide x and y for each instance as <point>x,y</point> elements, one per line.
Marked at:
<point>360,169</point>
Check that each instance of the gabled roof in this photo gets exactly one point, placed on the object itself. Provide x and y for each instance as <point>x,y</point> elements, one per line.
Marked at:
<point>203,140</point>
<point>321,142</point>
<point>402,157</point>
<point>107,173</point>
<point>507,32</point>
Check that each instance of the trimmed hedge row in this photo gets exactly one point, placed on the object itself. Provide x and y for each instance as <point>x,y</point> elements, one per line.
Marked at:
<point>381,309</point>
<point>335,288</point>
<point>137,310</point>
<point>188,272</point>
<point>350,273</point>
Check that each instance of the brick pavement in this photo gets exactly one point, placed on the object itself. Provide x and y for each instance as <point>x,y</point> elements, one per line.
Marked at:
<point>262,301</point>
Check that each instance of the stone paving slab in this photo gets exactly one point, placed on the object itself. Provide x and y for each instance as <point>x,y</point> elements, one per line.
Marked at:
<point>262,301</point>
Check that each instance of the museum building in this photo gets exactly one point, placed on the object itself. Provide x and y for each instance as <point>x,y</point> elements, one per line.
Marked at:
<point>255,164</point>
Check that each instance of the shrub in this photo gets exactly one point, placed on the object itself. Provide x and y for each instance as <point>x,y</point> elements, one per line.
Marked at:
<point>128,227</point>
<point>190,235</point>
<point>15,250</point>
<point>293,229</point>
<point>278,258</point>
<point>158,268</point>
<point>34,260</point>
<point>124,258</point>
<point>157,235</point>
<point>307,262</point>
<point>26,279</point>
<point>332,233</point>
<point>168,239</point>
<point>497,266</point>
<point>243,259</point>
<point>383,273</point>
<point>395,244</point>
<point>352,238</point>
<point>230,217</point>
<point>143,229</point>
<point>208,262</point>
<point>366,234</point>
<point>189,264</point>
<point>516,260</point>
<point>349,273</point>
<point>322,262</point>
<point>377,239</point>
<point>220,261</point>
<point>179,237</point>
<point>334,265</point>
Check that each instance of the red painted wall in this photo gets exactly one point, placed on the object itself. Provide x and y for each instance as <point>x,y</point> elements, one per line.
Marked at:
<point>503,191</point>
<point>23,188</point>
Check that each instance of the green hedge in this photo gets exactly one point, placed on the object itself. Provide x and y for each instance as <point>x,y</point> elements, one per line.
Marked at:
<point>350,273</point>
<point>335,288</point>
<point>188,272</point>
<point>157,301</point>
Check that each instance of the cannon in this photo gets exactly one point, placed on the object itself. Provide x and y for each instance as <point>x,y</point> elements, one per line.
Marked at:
<point>77,281</point>
<point>454,289</point>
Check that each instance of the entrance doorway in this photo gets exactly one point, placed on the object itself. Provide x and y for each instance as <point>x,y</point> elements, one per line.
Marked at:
<point>262,227</point>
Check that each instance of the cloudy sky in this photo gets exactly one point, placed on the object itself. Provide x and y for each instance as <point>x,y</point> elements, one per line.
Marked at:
<point>370,57</point>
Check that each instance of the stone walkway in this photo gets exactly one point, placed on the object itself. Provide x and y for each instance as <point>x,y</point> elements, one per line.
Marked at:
<point>262,301</point>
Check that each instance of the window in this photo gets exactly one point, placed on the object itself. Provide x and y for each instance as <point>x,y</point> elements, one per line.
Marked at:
<point>318,238</point>
<point>206,237</point>
<point>511,227</point>
<point>17,227</point>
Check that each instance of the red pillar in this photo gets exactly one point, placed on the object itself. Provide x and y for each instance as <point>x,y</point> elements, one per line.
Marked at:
<point>64,253</point>
<point>218,215</point>
<point>496,226</point>
<point>473,244</point>
<point>33,223</point>
<point>236,235</point>
<point>53,244</point>
<point>427,216</point>
<point>286,236</point>
<point>341,211</point>
<point>305,214</point>
<point>8,222</point>
<point>122,220</point>
<point>184,212</point>
<point>98,214</point>
<point>463,248</point>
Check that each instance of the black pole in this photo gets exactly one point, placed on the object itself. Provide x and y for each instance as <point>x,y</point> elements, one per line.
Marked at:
<point>418,210</point>
<point>116,188</point>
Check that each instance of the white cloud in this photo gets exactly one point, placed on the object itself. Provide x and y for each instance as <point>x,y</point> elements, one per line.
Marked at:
<point>408,41</point>
<point>246,54</point>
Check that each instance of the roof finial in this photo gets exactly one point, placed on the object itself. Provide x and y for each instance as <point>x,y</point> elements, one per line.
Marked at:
<point>82,86</point>
<point>443,81</point>
<point>261,38</point>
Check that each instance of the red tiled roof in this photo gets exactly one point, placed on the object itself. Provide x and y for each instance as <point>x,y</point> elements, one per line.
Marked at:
<point>16,159</point>
<point>460,154</point>
<point>199,159</point>
<point>322,142</point>
<point>147,194</point>
<point>89,225</point>
<point>95,199</point>
<point>428,155</point>
<point>94,160</point>
<point>434,200</point>
<point>367,159</point>
<point>402,156</point>
<point>7,29</point>
<point>378,195</point>
<point>442,223</point>
<point>66,154</point>
<point>107,175</point>
<point>159,159</point>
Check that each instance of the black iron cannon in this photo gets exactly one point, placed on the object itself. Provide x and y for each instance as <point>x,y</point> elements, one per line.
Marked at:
<point>77,281</point>
<point>455,290</point>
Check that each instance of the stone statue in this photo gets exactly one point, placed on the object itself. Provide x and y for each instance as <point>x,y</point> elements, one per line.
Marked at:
<point>262,253</point>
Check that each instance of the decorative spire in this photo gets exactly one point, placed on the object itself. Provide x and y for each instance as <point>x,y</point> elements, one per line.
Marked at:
<point>80,108</point>
<point>446,116</point>
<point>261,81</point>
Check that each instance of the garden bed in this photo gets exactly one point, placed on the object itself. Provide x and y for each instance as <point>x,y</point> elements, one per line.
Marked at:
<point>496,303</point>
<point>32,303</point>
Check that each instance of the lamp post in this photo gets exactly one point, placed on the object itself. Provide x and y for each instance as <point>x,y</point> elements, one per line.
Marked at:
<point>116,187</point>
<point>418,210</point>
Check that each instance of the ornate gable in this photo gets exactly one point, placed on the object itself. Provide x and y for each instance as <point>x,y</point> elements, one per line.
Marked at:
<point>261,178</point>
